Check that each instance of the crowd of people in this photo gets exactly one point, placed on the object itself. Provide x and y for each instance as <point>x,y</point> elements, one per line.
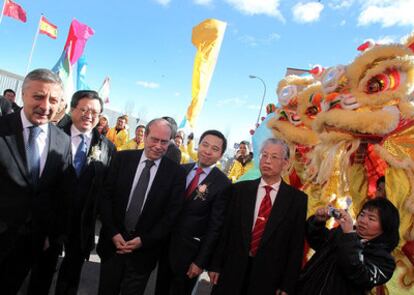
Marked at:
<point>162,201</point>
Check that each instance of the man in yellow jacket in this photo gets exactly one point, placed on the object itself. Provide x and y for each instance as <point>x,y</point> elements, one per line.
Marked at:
<point>137,143</point>
<point>118,135</point>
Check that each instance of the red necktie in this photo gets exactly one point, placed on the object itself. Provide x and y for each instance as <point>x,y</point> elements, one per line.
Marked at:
<point>262,217</point>
<point>194,183</point>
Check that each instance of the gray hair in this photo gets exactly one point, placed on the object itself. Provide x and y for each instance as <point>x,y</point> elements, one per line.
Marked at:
<point>286,152</point>
<point>43,75</point>
<point>157,121</point>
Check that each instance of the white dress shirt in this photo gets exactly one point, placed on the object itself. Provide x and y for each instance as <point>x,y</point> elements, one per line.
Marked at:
<point>203,176</point>
<point>75,140</point>
<point>261,192</point>
<point>141,167</point>
<point>41,140</point>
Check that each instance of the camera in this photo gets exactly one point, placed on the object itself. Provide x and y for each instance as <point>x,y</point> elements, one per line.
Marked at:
<point>334,212</point>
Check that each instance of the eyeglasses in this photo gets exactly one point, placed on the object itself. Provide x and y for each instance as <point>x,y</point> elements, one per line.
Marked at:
<point>272,157</point>
<point>93,113</point>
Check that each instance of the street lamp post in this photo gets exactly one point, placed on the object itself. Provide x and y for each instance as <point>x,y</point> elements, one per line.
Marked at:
<point>264,94</point>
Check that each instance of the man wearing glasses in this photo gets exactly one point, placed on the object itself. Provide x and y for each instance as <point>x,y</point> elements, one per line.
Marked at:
<point>142,197</point>
<point>261,247</point>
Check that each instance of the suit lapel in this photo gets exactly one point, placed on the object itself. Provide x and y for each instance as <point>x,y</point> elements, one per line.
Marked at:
<point>16,145</point>
<point>247,204</point>
<point>279,209</point>
<point>188,168</point>
<point>207,181</point>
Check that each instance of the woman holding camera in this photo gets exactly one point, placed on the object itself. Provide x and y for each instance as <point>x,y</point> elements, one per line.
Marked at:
<point>351,259</point>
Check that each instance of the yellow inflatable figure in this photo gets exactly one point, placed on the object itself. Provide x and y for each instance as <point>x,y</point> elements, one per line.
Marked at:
<point>371,116</point>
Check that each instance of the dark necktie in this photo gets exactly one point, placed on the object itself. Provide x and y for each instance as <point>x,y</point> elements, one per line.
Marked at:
<point>80,156</point>
<point>137,200</point>
<point>33,154</point>
<point>262,217</point>
<point>194,183</point>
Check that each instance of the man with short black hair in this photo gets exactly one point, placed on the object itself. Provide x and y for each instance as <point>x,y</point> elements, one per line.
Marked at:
<point>118,135</point>
<point>36,177</point>
<point>137,143</point>
<point>5,106</point>
<point>173,152</point>
<point>10,95</point>
<point>92,153</point>
<point>197,231</point>
<point>142,197</point>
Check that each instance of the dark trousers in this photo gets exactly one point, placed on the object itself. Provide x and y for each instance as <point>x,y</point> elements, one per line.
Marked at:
<point>17,260</point>
<point>44,269</point>
<point>170,283</point>
<point>71,268</point>
<point>120,274</point>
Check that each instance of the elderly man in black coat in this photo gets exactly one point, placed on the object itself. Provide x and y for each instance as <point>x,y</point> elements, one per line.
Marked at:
<point>261,248</point>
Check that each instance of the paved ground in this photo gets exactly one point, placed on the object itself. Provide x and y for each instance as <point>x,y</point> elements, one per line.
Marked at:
<point>90,279</point>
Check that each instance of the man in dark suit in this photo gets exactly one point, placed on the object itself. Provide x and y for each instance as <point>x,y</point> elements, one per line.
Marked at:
<point>261,248</point>
<point>196,233</point>
<point>36,175</point>
<point>173,152</point>
<point>10,95</point>
<point>92,153</point>
<point>142,198</point>
<point>5,106</point>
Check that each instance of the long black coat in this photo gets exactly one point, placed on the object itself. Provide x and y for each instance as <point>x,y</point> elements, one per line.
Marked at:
<point>41,209</point>
<point>162,206</point>
<point>199,225</point>
<point>88,189</point>
<point>342,264</point>
<point>278,259</point>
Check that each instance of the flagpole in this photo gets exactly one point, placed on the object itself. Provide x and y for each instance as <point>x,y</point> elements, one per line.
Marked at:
<point>34,43</point>
<point>2,11</point>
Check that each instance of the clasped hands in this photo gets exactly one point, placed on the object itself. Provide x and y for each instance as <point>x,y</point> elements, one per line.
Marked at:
<point>124,247</point>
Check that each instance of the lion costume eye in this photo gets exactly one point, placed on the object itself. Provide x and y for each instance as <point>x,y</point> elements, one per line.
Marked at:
<point>287,95</point>
<point>331,79</point>
<point>312,111</point>
<point>389,80</point>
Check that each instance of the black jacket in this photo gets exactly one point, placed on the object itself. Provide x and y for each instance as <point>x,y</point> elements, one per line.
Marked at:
<point>5,106</point>
<point>198,228</point>
<point>278,260</point>
<point>89,188</point>
<point>343,264</point>
<point>161,208</point>
<point>42,208</point>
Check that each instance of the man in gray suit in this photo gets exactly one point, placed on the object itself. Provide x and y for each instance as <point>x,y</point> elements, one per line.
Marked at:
<point>35,179</point>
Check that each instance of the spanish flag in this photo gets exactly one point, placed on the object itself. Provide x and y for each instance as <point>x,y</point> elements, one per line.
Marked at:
<point>47,28</point>
<point>207,38</point>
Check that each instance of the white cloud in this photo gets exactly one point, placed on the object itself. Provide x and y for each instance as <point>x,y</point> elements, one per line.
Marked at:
<point>307,12</point>
<point>234,101</point>
<point>341,4</point>
<point>252,7</point>
<point>385,40</point>
<point>387,13</point>
<point>253,107</point>
<point>177,93</point>
<point>203,2</point>
<point>342,23</point>
<point>253,41</point>
<point>147,84</point>
<point>163,2</point>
